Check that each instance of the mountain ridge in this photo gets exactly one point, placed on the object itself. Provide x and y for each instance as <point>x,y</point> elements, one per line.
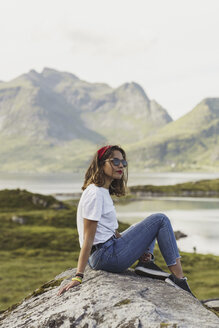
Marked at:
<point>62,120</point>
<point>194,136</point>
<point>59,99</point>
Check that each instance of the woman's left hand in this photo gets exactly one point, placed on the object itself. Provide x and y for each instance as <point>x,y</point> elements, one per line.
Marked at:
<point>69,285</point>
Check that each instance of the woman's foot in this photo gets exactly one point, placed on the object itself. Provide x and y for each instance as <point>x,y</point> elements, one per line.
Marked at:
<point>147,268</point>
<point>178,283</point>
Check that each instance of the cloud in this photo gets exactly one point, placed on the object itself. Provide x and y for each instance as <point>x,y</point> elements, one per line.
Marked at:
<point>109,44</point>
<point>84,37</point>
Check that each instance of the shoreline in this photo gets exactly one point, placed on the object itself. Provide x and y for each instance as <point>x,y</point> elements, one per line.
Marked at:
<point>197,189</point>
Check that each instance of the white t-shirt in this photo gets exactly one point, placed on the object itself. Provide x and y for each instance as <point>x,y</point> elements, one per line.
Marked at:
<point>96,204</point>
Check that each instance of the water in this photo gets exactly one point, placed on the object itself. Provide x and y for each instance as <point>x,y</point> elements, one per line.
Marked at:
<point>197,217</point>
<point>43,183</point>
<point>70,183</point>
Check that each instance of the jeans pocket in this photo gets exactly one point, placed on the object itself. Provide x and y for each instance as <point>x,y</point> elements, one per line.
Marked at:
<point>95,258</point>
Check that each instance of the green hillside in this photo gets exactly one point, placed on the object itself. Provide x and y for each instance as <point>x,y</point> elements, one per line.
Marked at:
<point>190,142</point>
<point>24,155</point>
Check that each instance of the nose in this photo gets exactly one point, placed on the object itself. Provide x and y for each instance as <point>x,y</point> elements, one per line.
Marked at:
<point>120,164</point>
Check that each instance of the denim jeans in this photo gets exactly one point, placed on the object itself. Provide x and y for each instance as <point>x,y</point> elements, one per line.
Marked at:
<point>118,254</point>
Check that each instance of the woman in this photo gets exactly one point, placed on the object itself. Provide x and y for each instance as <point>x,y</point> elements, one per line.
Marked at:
<point>102,246</point>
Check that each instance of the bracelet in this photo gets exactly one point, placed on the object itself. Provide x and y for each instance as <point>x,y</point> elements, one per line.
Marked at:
<point>77,279</point>
<point>79,274</point>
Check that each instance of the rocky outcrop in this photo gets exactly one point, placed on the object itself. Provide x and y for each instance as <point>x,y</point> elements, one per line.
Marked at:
<point>18,219</point>
<point>212,303</point>
<point>178,234</point>
<point>109,300</point>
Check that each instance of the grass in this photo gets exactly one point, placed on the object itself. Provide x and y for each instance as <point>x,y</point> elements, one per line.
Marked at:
<point>47,244</point>
<point>22,272</point>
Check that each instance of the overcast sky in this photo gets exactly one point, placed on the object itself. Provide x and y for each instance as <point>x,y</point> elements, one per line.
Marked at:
<point>169,47</point>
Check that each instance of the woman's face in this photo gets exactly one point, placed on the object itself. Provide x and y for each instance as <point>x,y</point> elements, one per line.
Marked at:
<point>112,171</point>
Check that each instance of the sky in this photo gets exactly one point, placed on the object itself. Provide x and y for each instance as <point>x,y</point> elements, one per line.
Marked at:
<point>170,47</point>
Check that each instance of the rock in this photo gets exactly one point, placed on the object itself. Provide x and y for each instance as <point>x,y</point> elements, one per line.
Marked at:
<point>178,234</point>
<point>39,201</point>
<point>17,219</point>
<point>57,206</point>
<point>109,300</point>
<point>212,303</point>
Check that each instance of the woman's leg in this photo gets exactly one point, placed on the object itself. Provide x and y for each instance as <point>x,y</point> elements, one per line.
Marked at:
<point>135,241</point>
<point>149,253</point>
<point>176,269</point>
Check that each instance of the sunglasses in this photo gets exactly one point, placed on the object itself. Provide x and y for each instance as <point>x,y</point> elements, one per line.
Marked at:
<point>116,161</point>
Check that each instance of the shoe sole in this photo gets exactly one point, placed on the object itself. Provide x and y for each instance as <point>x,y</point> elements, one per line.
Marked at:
<point>141,271</point>
<point>170,282</point>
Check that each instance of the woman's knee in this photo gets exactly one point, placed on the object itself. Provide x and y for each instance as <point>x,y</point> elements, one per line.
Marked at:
<point>164,217</point>
<point>161,216</point>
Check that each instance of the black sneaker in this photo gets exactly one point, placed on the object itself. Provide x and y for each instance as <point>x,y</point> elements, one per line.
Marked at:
<point>151,270</point>
<point>178,283</point>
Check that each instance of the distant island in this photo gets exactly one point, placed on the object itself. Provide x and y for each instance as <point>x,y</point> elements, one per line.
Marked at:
<point>202,188</point>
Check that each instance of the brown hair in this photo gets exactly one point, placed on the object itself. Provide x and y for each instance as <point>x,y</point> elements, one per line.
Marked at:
<point>95,173</point>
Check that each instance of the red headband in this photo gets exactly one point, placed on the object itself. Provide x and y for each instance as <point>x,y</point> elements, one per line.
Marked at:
<point>102,150</point>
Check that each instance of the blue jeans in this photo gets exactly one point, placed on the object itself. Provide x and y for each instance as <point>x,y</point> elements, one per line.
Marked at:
<point>118,254</point>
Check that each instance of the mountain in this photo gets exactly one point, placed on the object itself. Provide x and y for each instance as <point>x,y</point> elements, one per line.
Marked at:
<point>53,120</point>
<point>30,107</point>
<point>60,107</point>
<point>126,115</point>
<point>191,141</point>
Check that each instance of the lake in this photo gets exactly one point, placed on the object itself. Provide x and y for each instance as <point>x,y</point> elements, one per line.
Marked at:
<point>68,183</point>
<point>197,217</point>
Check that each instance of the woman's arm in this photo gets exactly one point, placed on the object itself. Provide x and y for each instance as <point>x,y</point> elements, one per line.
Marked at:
<point>90,228</point>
